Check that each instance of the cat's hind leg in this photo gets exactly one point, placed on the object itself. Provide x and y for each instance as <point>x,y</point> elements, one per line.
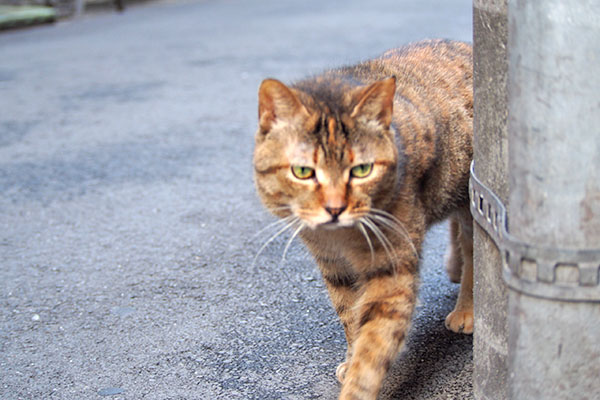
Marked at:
<point>453,258</point>
<point>461,318</point>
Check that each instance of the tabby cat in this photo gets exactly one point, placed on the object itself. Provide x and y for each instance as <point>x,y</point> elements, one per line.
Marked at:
<point>360,161</point>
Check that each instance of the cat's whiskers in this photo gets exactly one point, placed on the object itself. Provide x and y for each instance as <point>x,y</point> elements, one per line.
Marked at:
<point>279,221</point>
<point>296,232</point>
<point>366,235</point>
<point>310,218</point>
<point>395,225</point>
<point>289,225</point>
<point>385,242</point>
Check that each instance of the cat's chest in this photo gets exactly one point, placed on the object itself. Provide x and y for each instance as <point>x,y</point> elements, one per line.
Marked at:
<point>337,245</point>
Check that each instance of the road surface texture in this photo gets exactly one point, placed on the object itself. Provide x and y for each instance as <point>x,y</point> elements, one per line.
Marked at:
<point>129,220</point>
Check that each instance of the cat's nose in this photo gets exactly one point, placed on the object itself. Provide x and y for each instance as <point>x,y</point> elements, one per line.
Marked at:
<point>335,211</point>
<point>335,200</point>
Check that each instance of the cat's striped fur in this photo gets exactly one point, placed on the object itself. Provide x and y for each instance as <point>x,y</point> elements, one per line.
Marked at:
<point>406,117</point>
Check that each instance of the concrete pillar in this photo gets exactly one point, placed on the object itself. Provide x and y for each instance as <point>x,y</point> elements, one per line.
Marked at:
<point>79,8</point>
<point>554,163</point>
<point>490,347</point>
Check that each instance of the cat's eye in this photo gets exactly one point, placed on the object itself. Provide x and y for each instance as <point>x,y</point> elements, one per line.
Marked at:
<point>303,172</point>
<point>361,171</point>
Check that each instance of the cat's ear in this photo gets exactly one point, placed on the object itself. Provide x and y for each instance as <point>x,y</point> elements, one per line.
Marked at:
<point>277,102</point>
<point>376,101</point>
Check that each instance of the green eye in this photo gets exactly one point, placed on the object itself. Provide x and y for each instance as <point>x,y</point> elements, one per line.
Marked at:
<point>361,171</point>
<point>303,172</point>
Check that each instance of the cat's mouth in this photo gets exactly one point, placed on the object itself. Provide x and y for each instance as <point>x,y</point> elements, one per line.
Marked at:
<point>331,225</point>
<point>335,224</point>
<point>325,220</point>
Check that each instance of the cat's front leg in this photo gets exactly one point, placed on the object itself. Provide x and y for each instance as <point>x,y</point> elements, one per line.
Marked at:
<point>342,285</point>
<point>383,315</point>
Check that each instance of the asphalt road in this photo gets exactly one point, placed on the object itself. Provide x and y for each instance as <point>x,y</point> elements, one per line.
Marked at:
<point>128,216</point>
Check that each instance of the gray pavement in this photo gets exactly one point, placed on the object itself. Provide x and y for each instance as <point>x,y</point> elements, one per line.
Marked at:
<point>128,213</point>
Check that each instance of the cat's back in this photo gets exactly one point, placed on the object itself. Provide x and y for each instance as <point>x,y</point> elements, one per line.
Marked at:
<point>430,72</point>
<point>442,58</point>
<point>426,63</point>
<point>440,69</point>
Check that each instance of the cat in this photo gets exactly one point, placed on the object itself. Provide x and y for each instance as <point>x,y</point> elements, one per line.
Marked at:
<point>359,161</point>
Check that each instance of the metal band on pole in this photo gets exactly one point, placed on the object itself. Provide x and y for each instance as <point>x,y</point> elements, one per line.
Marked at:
<point>547,272</point>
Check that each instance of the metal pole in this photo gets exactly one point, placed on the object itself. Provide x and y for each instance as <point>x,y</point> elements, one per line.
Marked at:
<point>491,160</point>
<point>79,8</point>
<point>554,205</point>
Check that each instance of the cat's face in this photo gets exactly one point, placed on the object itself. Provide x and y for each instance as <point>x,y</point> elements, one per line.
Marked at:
<point>326,169</point>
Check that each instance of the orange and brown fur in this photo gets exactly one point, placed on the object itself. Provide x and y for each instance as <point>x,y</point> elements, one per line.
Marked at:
<point>359,162</point>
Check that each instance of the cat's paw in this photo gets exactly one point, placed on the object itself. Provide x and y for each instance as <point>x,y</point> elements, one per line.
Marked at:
<point>340,371</point>
<point>460,321</point>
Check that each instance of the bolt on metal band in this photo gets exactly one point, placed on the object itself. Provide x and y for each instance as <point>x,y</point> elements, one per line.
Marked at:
<point>547,272</point>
